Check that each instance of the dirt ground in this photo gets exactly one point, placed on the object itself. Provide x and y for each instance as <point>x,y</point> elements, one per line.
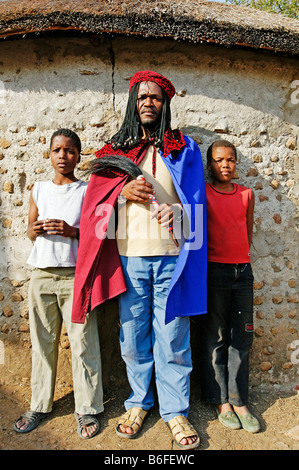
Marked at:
<point>278,414</point>
<point>277,411</point>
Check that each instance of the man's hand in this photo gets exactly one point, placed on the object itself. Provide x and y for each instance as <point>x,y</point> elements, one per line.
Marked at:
<point>138,191</point>
<point>164,215</point>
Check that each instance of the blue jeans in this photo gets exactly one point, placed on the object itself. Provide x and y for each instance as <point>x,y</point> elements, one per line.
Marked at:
<point>148,346</point>
<point>227,334</point>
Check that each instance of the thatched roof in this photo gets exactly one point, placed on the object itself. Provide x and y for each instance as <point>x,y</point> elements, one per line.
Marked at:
<point>184,20</point>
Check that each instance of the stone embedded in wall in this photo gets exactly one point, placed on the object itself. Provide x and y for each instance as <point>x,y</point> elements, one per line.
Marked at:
<point>293,313</point>
<point>258,300</point>
<point>265,366</point>
<point>5,144</point>
<point>24,328</point>
<point>259,315</point>
<point>291,143</point>
<point>65,343</point>
<point>24,313</point>
<point>268,350</point>
<point>258,285</point>
<point>277,218</point>
<point>5,328</point>
<point>16,283</point>
<point>16,297</point>
<point>252,172</point>
<point>274,184</point>
<point>7,311</point>
<point>255,143</point>
<point>8,187</point>
<point>18,203</point>
<point>288,365</point>
<point>259,331</point>
<point>7,223</point>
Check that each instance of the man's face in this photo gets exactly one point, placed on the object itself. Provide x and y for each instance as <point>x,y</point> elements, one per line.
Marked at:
<point>149,104</point>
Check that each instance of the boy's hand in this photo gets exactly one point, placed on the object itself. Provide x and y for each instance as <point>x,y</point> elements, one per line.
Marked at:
<point>36,228</point>
<point>59,227</point>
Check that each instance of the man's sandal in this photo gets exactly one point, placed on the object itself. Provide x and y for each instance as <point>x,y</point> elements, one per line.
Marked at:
<point>33,418</point>
<point>133,418</point>
<point>181,429</point>
<point>85,421</point>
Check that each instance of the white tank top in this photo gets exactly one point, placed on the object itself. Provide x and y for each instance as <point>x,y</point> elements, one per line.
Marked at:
<point>57,202</point>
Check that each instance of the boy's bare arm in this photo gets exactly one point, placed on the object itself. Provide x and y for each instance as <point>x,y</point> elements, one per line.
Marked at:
<point>35,227</point>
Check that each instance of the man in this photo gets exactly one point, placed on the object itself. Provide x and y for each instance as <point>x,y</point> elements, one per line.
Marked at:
<point>160,277</point>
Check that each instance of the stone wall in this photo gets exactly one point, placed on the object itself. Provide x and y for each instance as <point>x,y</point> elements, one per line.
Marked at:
<point>247,97</point>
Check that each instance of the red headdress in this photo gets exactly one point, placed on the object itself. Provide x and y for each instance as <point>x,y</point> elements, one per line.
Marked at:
<point>148,76</point>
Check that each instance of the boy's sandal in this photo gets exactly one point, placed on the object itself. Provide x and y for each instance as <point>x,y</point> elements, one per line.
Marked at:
<point>85,421</point>
<point>133,418</point>
<point>228,419</point>
<point>182,429</point>
<point>249,422</point>
<point>33,418</point>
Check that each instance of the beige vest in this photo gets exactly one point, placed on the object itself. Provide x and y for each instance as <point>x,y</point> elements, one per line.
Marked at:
<point>138,234</point>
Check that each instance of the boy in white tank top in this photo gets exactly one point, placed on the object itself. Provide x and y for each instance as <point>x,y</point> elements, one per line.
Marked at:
<point>53,226</point>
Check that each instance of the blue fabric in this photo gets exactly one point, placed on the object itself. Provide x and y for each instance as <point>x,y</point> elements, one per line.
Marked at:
<point>188,288</point>
<point>148,346</point>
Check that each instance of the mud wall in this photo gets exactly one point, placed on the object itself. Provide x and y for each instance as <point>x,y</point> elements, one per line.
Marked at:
<point>246,97</point>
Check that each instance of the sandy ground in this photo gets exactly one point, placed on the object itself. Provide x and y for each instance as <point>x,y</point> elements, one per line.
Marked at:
<point>278,414</point>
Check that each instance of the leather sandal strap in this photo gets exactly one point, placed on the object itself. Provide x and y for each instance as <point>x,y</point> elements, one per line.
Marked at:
<point>181,428</point>
<point>133,418</point>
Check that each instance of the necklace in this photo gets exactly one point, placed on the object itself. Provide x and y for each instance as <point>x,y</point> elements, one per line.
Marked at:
<point>154,162</point>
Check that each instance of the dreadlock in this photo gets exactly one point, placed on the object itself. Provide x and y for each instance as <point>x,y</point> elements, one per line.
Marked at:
<point>128,135</point>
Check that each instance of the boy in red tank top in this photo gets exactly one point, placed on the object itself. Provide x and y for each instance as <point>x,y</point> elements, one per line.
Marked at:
<point>227,329</point>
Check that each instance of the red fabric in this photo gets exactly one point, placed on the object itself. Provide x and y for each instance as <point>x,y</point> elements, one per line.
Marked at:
<point>173,141</point>
<point>99,275</point>
<point>148,76</point>
<point>227,224</point>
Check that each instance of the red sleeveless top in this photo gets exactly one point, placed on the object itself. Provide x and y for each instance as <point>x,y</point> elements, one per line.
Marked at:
<point>227,224</point>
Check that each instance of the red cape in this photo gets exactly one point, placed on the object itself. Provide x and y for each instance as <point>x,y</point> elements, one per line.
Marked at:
<point>99,275</point>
